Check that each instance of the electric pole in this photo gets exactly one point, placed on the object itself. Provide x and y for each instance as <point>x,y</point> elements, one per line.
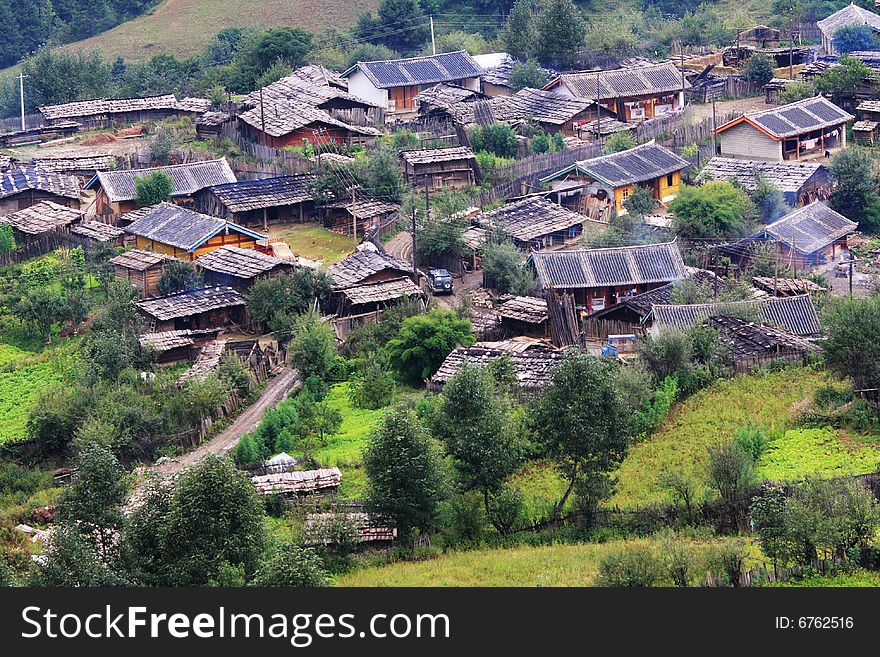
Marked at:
<point>21,77</point>
<point>433,44</point>
<point>415,271</point>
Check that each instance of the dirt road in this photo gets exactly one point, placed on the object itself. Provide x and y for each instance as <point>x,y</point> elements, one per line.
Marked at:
<point>400,246</point>
<point>276,390</point>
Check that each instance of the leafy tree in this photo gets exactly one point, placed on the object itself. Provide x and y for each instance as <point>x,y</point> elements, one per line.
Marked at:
<point>7,239</point>
<point>71,560</point>
<point>731,472</point>
<point>529,75</point>
<point>683,490</point>
<point>591,437</point>
<point>851,348</point>
<point>162,145</point>
<point>382,176</point>
<point>56,415</point>
<point>518,34</point>
<point>289,45</point>
<point>620,141</point>
<point>855,187</point>
<point>473,422</point>
<point>503,268</point>
<point>540,143</point>
<point>560,32</point>
<point>372,387</point>
<point>153,188</point>
<point>758,69</point>
<point>796,91</point>
<point>312,348</point>
<point>714,209</point>
<point>851,38</point>
<point>768,511</point>
<point>497,138</point>
<point>424,342</point>
<point>405,473</point>
<point>640,202</point>
<point>58,76</point>
<point>843,80</point>
<point>272,299</point>
<point>769,200</point>
<point>178,276</point>
<point>290,564</point>
<point>400,26</point>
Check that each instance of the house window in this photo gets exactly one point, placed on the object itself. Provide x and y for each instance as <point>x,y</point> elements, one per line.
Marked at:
<point>669,180</point>
<point>625,192</point>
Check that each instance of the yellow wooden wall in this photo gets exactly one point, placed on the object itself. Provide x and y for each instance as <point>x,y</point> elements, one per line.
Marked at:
<point>234,238</point>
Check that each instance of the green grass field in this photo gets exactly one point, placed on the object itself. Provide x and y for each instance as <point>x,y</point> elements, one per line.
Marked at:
<point>856,578</point>
<point>315,242</point>
<point>824,452</point>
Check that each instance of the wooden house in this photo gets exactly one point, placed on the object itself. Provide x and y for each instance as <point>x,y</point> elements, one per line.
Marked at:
<point>375,297</point>
<point>318,528</point>
<point>848,16</point>
<point>204,308</point>
<point>868,110</point>
<point>298,483</point>
<point>551,111</point>
<point>181,233</point>
<point>283,123</point>
<point>367,266</point>
<point>599,278</point>
<point>753,344</point>
<point>358,217</point>
<point>809,236</point>
<point>23,186</point>
<point>760,36</point>
<point>83,167</point>
<point>440,100</point>
<point>296,90</point>
<point>210,124</point>
<point>40,221</point>
<point>260,202</point>
<point>806,129</point>
<point>800,182</point>
<point>232,266</point>
<point>440,168</point>
<point>142,269</point>
<point>608,180</point>
<point>394,84</point>
<point>634,93</point>
<point>796,315</point>
<point>104,112</point>
<point>115,191</point>
<point>95,236</point>
<point>321,76</point>
<point>787,287</point>
<point>524,316</point>
<point>535,223</point>
<point>176,346</point>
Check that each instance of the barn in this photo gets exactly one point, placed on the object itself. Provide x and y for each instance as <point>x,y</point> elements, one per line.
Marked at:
<point>194,309</point>
<point>800,182</point>
<point>437,169</point>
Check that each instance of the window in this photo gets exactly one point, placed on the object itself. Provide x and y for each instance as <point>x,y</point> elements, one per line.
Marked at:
<point>670,180</point>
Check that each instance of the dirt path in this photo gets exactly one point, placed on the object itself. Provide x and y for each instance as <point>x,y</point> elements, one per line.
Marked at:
<point>276,390</point>
<point>400,246</point>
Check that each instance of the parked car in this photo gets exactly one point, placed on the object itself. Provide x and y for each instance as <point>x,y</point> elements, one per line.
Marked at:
<point>440,281</point>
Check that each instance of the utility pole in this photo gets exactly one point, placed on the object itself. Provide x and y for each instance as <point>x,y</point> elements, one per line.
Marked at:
<point>683,81</point>
<point>415,271</point>
<point>21,77</point>
<point>433,44</point>
<point>427,197</point>
<point>851,260</point>
<point>776,271</point>
<point>354,219</point>
<point>794,255</point>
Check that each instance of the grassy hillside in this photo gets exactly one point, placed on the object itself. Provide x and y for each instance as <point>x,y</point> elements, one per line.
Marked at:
<point>185,27</point>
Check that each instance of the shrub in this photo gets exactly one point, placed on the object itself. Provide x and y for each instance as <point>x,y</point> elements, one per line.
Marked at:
<point>620,141</point>
<point>373,387</point>
<point>751,440</point>
<point>758,69</point>
<point>425,340</point>
<point>632,566</point>
<point>153,188</point>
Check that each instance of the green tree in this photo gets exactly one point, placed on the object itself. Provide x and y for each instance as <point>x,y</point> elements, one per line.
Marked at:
<point>518,34</point>
<point>424,342</point>
<point>560,32</point>
<point>632,566</point>
<point>270,300</point>
<point>620,141</point>
<point>503,268</point>
<point>796,91</point>
<point>714,209</point>
<point>178,276</point>
<point>56,415</point>
<point>529,75</point>
<point>768,511</point>
<point>731,472</point>
<point>289,45</point>
<point>851,348</point>
<point>290,564</point>
<point>640,202</point>
<point>313,347</point>
<point>851,38</point>
<point>7,239</point>
<point>153,188</point>
<point>590,438</point>
<point>758,69</point>
<point>843,80</point>
<point>71,560</point>
<point>406,480</point>
<point>855,187</point>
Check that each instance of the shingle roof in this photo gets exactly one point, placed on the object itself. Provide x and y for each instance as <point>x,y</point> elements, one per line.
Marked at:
<point>754,339</point>
<point>97,230</point>
<point>639,164</point>
<point>498,66</point>
<point>213,119</point>
<point>795,314</point>
<point>430,69</point>
<point>795,118</point>
<point>247,195</point>
<point>430,155</point>
<point>625,265</point>
<point>532,310</point>
<point>192,302</point>
<point>42,217</point>
<point>281,117</point>
<point>186,179</point>
<point>641,303</point>
<point>75,163</point>
<point>320,75</point>
<point>167,340</point>
<point>381,292</point>
<point>181,228</point>
<point>207,360</point>
<point>241,263</point>
<point>787,287</point>
<point>366,208</point>
<point>299,91</point>
<point>138,260</point>
<point>852,14</point>
<point>363,264</point>
<point>119,105</point>
<point>542,106</point>
<point>15,180</point>
<point>531,218</point>
<point>443,95</point>
<point>623,82</point>
<point>810,228</point>
<point>304,481</point>
<point>533,366</point>
<point>787,177</point>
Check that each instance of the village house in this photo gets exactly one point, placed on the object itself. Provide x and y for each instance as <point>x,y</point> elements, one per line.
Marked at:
<point>299,91</point>
<point>321,76</point>
<point>796,315</point>
<point>181,233</point>
<point>526,316</point>
<point>204,308</point>
<point>287,123</point>
<point>809,236</point>
<point>367,266</point>
<point>437,169</point>
<point>787,287</point>
<point>852,14</point>
<point>210,125</point>
<point>103,112</point>
<point>394,84</point>
<point>40,220</point>
<point>612,178</point>
<point>535,223</point>
<point>807,129</point>
<point>634,94</point>
<point>318,528</point>
<point>115,191</point>
<point>176,346</point>
<point>752,345</point>
<point>260,202</point>
<point>799,182</point>
<point>447,101</point>
<point>358,216</point>
<point>375,297</point>
<point>552,112</point>
<point>83,167</point>
<point>599,278</point>
<point>142,269</point>
<point>22,186</point>
<point>95,236</point>
<point>232,266</point>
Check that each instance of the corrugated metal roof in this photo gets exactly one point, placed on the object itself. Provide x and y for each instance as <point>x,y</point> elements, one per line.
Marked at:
<point>430,69</point>
<point>186,179</point>
<point>810,228</point>
<point>795,314</point>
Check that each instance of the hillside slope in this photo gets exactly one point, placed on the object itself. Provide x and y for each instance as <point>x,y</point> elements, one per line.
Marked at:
<point>185,27</point>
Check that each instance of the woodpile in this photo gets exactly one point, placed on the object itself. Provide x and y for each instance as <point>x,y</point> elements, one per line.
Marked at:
<point>564,324</point>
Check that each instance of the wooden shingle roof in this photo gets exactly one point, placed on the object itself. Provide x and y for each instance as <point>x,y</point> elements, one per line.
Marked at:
<point>794,119</point>
<point>533,365</point>
<point>366,208</point>
<point>624,265</point>
<point>186,179</point>
<point>542,106</point>
<point>640,164</point>
<point>755,339</point>
<point>430,69</point>
<point>852,14</point>
<point>139,260</point>
<point>97,230</point>
<point>300,91</point>
<point>167,340</point>
<point>17,179</point>
<point>810,228</point>
<point>42,217</point>
<point>181,228</point>
<point>280,117</point>
<point>247,195</point>
<point>431,155</point>
<point>101,106</point>
<point>298,482</point>
<point>531,218</point>
<point>206,362</point>
<point>623,82</point>
<point>240,263</point>
<point>381,292</point>
<point>787,177</point>
<point>191,302</point>
<point>532,310</point>
<point>97,162</point>
<point>363,264</point>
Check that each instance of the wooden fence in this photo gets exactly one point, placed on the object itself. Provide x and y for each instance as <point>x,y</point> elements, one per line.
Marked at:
<point>601,328</point>
<point>13,124</point>
<point>760,574</point>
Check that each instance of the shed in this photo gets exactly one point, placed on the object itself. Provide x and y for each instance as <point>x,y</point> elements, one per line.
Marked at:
<point>116,193</point>
<point>553,112</point>
<point>535,222</point>
<point>318,528</point>
<point>143,269</point>
<point>83,166</point>
<point>865,132</point>
<point>22,186</point>
<point>239,268</point>
<point>806,129</point>
<point>263,201</point>
<point>787,287</point>
<point>210,124</point>
<point>800,182</point>
<point>359,216</point>
<point>279,123</point>
<point>194,309</point>
<point>753,344</point>
<point>95,235</point>
<point>181,233</point>
<point>298,483</point>
<point>102,112</point>
<point>40,220</point>
<point>525,316</point>
<point>374,297</point>
<point>365,266</point>
<point>440,168</point>
<point>175,346</point>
